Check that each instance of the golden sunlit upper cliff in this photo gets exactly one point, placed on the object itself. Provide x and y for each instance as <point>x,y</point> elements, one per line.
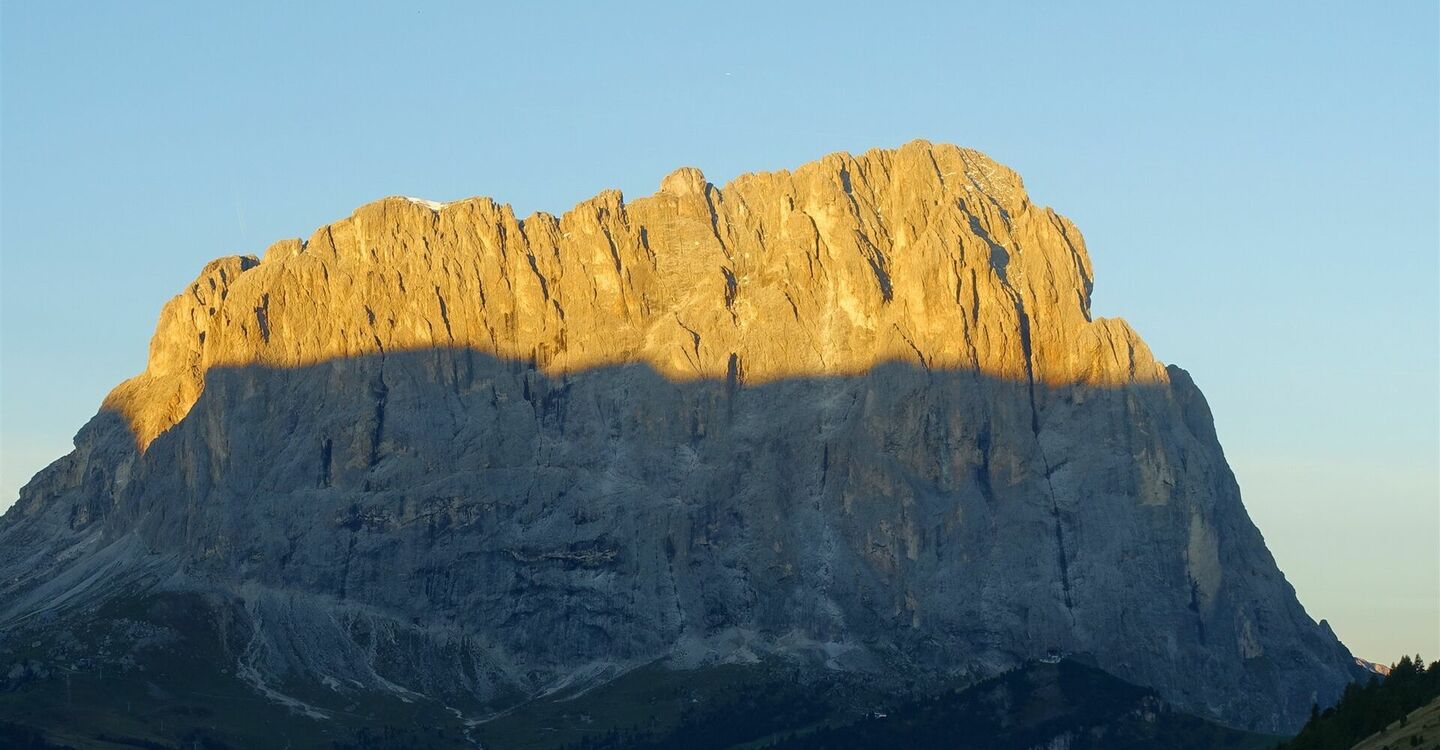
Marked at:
<point>930,254</point>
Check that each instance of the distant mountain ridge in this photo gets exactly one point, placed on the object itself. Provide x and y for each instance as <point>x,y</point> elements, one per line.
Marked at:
<point>1370,666</point>
<point>857,415</point>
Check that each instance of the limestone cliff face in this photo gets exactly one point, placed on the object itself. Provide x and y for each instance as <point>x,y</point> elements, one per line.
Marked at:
<point>857,413</point>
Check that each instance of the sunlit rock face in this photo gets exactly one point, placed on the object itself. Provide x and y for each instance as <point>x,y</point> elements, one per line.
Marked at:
<point>856,415</point>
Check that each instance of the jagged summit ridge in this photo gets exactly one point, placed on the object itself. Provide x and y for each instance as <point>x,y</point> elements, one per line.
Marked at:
<point>927,254</point>
<point>855,415</point>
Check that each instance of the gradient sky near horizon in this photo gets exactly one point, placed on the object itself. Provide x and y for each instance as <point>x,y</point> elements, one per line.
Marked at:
<point>1258,183</point>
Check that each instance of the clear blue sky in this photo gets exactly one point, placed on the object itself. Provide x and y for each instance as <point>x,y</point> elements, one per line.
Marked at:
<point>1258,183</point>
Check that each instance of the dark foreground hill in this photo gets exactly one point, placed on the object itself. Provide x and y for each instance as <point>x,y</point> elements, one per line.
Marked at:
<point>1041,705</point>
<point>760,706</point>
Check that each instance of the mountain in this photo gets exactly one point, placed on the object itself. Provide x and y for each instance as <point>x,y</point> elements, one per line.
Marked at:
<point>856,417</point>
<point>1372,667</point>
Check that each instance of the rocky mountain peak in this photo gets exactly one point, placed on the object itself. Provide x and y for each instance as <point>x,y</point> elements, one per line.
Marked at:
<point>685,181</point>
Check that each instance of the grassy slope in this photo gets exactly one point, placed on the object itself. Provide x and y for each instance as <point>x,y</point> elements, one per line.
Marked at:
<point>1422,723</point>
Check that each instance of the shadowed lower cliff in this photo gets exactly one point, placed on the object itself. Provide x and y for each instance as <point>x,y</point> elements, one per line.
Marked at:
<point>504,530</point>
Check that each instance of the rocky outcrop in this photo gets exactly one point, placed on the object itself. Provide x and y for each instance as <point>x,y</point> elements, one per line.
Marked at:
<point>858,413</point>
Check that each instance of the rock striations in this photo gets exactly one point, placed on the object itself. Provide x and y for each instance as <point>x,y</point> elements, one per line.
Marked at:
<point>856,415</point>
